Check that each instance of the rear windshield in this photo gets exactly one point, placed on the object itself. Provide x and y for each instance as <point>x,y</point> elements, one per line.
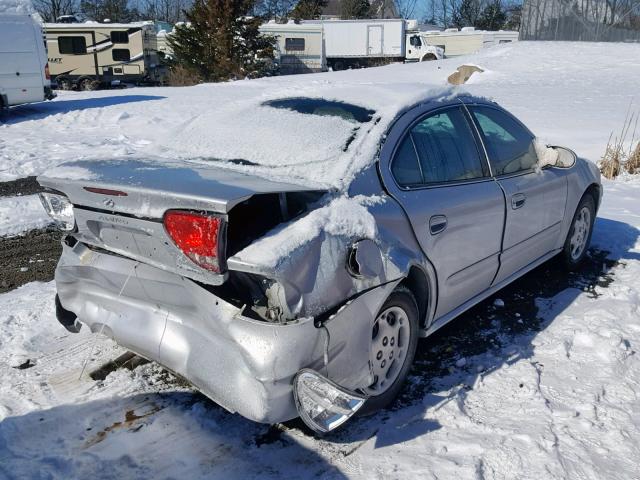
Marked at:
<point>320,107</point>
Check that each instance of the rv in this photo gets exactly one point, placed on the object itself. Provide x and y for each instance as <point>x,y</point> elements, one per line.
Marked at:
<point>91,55</point>
<point>456,42</point>
<point>24,76</point>
<point>299,47</point>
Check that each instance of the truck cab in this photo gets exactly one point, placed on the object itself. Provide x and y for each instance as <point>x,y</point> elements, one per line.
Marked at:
<point>418,50</point>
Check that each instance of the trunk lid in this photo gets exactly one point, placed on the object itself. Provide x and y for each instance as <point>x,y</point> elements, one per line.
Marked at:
<point>119,205</point>
<point>151,189</point>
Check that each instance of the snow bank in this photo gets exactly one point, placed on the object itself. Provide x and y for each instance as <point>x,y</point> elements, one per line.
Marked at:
<point>21,214</point>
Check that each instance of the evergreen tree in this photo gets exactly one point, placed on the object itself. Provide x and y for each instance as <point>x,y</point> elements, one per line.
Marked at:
<point>220,42</point>
<point>352,9</point>
<point>308,9</point>
<point>492,17</point>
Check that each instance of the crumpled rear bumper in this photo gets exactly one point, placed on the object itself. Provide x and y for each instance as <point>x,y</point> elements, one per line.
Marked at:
<point>245,365</point>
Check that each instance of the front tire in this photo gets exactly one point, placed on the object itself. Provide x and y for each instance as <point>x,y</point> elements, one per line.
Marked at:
<point>394,339</point>
<point>579,236</point>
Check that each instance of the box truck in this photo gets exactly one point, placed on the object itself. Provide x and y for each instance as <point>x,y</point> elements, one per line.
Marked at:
<point>363,43</point>
<point>24,75</point>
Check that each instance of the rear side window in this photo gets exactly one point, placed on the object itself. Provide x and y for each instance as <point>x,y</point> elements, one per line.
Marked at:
<point>72,45</point>
<point>120,55</point>
<point>509,145</point>
<point>440,148</point>
<point>119,37</point>
<point>294,44</point>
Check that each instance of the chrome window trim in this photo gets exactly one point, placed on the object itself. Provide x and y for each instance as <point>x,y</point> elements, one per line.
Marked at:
<point>426,186</point>
<point>484,147</point>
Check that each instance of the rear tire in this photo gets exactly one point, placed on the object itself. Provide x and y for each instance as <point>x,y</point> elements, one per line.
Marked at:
<point>579,236</point>
<point>64,83</point>
<point>397,321</point>
<point>88,84</point>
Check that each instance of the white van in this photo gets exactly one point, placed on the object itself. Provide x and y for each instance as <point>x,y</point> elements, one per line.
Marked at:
<point>24,73</point>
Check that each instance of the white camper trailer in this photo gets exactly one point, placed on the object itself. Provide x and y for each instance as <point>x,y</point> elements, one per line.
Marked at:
<point>92,55</point>
<point>468,40</point>
<point>24,76</point>
<point>299,47</point>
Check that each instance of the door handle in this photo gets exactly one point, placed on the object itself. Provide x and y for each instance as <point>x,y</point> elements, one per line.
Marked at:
<point>437,224</point>
<point>518,200</point>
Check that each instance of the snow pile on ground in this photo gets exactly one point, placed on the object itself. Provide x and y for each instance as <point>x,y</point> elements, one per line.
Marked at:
<point>20,214</point>
<point>557,400</point>
<point>18,7</point>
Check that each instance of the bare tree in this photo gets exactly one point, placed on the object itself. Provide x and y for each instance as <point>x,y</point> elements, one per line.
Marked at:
<point>50,10</point>
<point>405,8</point>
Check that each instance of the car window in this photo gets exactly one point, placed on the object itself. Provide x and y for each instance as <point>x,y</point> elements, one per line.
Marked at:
<point>440,148</point>
<point>510,146</point>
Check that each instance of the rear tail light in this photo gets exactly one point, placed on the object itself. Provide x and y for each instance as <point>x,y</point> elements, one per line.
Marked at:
<point>46,72</point>
<point>60,209</point>
<point>199,236</point>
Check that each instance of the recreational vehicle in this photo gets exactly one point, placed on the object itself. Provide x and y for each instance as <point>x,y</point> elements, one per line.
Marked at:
<point>299,47</point>
<point>456,42</point>
<point>24,75</point>
<point>92,55</point>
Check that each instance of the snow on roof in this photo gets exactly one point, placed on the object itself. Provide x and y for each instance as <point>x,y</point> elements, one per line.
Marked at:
<point>92,24</point>
<point>323,145</point>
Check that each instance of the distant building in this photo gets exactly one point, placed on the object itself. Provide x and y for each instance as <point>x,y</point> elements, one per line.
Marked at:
<point>379,9</point>
<point>586,20</point>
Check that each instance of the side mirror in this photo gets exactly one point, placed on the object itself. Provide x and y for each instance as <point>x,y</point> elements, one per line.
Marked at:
<point>554,156</point>
<point>566,157</point>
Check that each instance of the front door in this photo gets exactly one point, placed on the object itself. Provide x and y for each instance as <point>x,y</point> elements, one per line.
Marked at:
<point>374,39</point>
<point>456,209</point>
<point>535,197</point>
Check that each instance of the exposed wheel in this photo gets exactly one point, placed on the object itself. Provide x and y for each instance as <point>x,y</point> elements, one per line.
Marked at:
<point>394,338</point>
<point>579,236</point>
<point>88,84</point>
<point>64,83</point>
<point>428,57</point>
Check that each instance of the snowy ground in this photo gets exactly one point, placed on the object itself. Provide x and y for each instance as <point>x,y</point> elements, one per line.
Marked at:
<point>544,387</point>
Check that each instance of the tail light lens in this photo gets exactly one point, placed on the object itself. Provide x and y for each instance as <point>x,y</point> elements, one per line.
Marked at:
<point>60,209</point>
<point>46,72</point>
<point>198,236</point>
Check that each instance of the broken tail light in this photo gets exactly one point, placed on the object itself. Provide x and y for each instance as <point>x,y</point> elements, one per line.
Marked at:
<point>199,236</point>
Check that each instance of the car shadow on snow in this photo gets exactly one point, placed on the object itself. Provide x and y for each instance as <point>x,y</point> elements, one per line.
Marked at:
<point>37,111</point>
<point>157,435</point>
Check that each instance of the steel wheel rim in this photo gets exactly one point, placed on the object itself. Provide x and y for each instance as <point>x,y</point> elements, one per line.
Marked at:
<point>390,334</point>
<point>581,227</point>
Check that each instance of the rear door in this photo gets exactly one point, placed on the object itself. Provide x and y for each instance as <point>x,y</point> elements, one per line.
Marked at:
<point>374,39</point>
<point>535,197</point>
<point>438,175</point>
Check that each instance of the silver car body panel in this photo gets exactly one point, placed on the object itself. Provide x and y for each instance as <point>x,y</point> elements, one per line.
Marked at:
<point>124,278</point>
<point>245,365</point>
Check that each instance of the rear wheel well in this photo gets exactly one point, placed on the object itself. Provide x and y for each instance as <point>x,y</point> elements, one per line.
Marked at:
<point>416,281</point>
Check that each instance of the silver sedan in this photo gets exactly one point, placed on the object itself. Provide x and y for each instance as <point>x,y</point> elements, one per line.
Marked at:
<point>194,265</point>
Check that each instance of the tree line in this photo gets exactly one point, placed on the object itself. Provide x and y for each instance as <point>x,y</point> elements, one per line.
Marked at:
<point>485,14</point>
